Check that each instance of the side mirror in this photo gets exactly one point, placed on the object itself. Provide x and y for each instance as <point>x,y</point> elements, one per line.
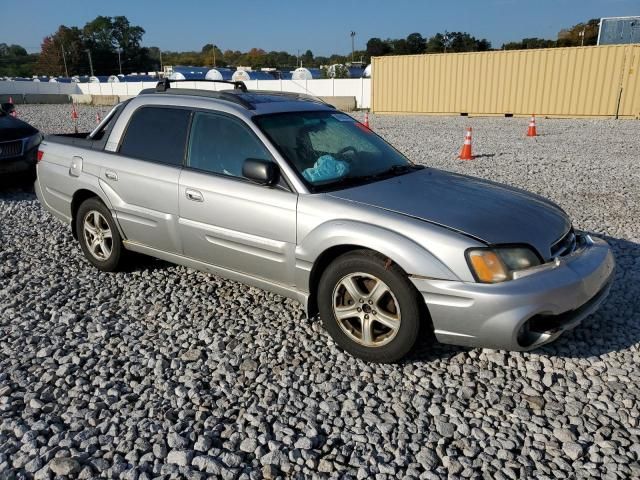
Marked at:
<point>262,172</point>
<point>8,108</point>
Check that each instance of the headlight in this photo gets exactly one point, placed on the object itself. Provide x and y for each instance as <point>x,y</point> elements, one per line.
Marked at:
<point>33,141</point>
<point>494,265</point>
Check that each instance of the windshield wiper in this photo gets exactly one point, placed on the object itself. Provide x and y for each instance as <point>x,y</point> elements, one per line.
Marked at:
<point>396,170</point>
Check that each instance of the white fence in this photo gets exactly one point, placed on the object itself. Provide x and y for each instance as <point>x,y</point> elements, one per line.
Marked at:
<point>30,88</point>
<point>360,88</point>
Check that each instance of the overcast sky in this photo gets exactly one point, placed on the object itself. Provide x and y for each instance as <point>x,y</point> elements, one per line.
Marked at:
<point>322,26</point>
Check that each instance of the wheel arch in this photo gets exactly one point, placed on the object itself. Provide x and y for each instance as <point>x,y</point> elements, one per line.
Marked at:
<point>80,196</point>
<point>329,241</point>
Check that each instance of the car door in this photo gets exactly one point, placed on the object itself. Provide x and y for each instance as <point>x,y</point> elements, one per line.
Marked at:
<point>141,180</point>
<point>225,219</point>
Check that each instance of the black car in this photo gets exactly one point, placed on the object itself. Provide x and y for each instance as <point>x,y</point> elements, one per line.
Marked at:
<point>18,144</point>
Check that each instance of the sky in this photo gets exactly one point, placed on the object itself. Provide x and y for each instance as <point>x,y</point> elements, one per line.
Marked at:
<point>321,26</point>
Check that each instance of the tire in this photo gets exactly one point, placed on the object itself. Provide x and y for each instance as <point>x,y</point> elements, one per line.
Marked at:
<point>99,239</point>
<point>387,324</point>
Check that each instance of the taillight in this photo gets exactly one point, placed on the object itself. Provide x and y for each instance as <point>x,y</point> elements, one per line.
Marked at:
<point>40,155</point>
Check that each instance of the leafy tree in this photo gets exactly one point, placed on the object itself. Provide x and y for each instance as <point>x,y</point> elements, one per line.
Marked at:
<point>376,47</point>
<point>528,43</point>
<point>572,37</point>
<point>15,61</point>
<point>307,58</point>
<point>415,43</point>
<point>451,42</point>
<point>208,54</point>
<point>399,46</point>
<point>51,60</point>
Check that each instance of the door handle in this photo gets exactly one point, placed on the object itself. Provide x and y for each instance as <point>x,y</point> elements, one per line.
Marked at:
<point>111,175</point>
<point>194,195</point>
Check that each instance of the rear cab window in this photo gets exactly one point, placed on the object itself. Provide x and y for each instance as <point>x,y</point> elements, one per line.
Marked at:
<point>157,134</point>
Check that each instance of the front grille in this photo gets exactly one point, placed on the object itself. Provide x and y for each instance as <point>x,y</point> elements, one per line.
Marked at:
<point>11,149</point>
<point>565,245</point>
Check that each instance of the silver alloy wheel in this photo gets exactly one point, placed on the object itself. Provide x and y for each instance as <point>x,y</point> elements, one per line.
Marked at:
<point>97,235</point>
<point>366,309</point>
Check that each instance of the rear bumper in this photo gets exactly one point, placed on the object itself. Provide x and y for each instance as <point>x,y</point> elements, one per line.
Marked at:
<point>524,313</point>
<point>23,164</point>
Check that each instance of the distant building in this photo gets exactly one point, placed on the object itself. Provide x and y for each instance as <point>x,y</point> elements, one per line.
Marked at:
<point>619,30</point>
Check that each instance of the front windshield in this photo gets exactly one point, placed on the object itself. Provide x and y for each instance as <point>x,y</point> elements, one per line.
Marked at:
<point>330,149</point>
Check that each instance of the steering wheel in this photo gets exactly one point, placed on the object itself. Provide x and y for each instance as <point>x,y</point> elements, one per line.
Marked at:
<point>344,150</point>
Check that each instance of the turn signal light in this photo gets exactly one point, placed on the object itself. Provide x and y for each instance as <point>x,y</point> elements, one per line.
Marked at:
<point>488,266</point>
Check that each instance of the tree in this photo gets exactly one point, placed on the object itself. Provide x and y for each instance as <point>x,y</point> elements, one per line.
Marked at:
<point>572,37</point>
<point>307,58</point>
<point>208,55</point>
<point>376,47</point>
<point>16,62</point>
<point>528,43</point>
<point>51,60</point>
<point>451,42</point>
<point>399,46</point>
<point>415,43</point>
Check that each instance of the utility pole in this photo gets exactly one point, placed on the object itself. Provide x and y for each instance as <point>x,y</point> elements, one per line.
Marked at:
<point>214,56</point>
<point>64,59</point>
<point>161,67</point>
<point>582,36</point>
<point>353,44</point>
<point>120,61</point>
<point>90,61</point>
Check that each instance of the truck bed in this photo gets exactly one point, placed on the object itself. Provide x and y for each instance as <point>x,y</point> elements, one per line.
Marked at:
<point>80,139</point>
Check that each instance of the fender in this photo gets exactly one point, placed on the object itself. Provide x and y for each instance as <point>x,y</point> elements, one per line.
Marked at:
<point>413,258</point>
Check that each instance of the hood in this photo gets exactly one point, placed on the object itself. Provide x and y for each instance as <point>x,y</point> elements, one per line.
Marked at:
<point>488,211</point>
<point>14,129</point>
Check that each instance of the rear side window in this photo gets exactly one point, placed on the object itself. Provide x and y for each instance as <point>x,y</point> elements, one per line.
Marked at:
<point>157,134</point>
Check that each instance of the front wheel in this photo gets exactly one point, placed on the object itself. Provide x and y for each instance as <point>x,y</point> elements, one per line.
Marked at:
<point>98,234</point>
<point>369,307</point>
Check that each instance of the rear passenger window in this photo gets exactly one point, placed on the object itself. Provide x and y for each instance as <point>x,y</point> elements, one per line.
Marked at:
<point>157,134</point>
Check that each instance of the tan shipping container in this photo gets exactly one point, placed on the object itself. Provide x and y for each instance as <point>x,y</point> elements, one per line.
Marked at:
<point>598,81</point>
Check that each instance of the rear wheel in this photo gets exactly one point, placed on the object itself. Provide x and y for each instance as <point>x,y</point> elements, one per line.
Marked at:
<point>369,307</point>
<point>98,234</point>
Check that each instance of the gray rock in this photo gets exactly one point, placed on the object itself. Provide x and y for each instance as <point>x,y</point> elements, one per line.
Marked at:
<point>64,466</point>
<point>182,458</point>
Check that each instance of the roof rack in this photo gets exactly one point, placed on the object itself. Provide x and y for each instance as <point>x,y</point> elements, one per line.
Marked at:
<point>165,83</point>
<point>218,94</point>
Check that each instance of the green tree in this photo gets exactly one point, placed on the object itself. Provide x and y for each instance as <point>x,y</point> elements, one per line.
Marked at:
<point>572,37</point>
<point>377,48</point>
<point>528,43</point>
<point>16,62</point>
<point>451,42</point>
<point>415,43</point>
<point>51,60</point>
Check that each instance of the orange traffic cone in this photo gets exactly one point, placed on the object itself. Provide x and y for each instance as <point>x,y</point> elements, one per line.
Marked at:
<point>15,112</point>
<point>74,117</point>
<point>366,119</point>
<point>465,153</point>
<point>531,132</point>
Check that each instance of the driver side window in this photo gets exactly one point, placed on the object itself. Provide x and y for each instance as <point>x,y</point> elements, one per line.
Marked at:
<point>220,144</point>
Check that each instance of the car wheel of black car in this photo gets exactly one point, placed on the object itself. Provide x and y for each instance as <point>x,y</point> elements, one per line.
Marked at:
<point>98,235</point>
<point>369,306</point>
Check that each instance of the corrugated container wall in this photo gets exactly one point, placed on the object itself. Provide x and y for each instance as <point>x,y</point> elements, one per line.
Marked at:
<point>565,82</point>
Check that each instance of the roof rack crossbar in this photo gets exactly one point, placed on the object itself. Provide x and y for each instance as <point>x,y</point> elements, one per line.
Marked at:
<point>165,83</point>
<point>219,94</point>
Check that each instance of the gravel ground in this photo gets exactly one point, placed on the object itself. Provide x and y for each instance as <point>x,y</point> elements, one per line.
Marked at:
<point>165,372</point>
